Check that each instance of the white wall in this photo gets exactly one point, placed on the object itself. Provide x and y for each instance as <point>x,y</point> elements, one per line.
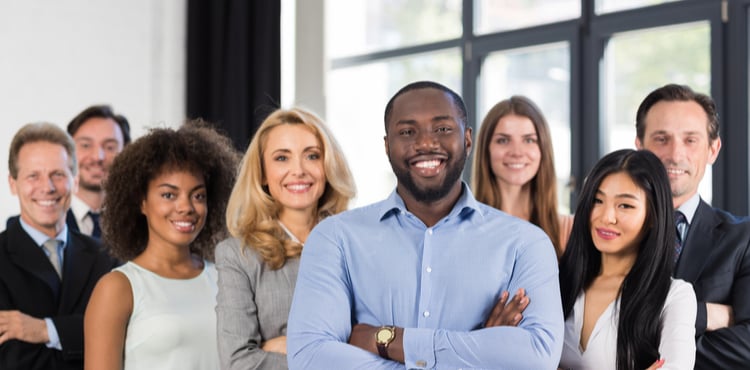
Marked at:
<point>59,57</point>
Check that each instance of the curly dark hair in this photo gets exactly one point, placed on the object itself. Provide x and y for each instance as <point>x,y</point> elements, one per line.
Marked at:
<point>195,147</point>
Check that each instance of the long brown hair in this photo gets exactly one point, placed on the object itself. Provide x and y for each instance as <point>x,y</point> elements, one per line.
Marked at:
<point>543,185</point>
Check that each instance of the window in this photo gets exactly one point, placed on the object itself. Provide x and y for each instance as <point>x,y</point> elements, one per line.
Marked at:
<point>587,64</point>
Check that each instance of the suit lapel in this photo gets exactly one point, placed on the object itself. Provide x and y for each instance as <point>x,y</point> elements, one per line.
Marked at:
<point>79,261</point>
<point>702,234</point>
<point>70,219</point>
<point>28,256</point>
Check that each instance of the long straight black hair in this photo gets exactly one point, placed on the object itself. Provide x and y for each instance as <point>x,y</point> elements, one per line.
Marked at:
<point>644,289</point>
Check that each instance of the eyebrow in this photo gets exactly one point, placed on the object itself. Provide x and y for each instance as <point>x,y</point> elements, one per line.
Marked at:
<point>621,195</point>
<point>433,119</point>
<point>306,149</point>
<point>174,187</point>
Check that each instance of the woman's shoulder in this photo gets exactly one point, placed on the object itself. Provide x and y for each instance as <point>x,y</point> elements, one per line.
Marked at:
<point>681,292</point>
<point>234,249</point>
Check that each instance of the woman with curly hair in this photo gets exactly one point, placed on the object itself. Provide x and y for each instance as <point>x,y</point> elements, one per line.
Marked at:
<point>514,167</point>
<point>166,198</point>
<point>622,308</point>
<point>292,176</point>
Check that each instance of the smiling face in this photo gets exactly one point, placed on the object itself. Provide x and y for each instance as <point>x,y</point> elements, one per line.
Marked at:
<point>618,215</point>
<point>293,168</point>
<point>98,141</point>
<point>514,150</point>
<point>175,208</point>
<point>677,132</point>
<point>43,185</point>
<point>427,144</point>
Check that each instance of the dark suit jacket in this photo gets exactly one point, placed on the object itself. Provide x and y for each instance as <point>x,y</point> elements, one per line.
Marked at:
<point>716,260</point>
<point>29,283</point>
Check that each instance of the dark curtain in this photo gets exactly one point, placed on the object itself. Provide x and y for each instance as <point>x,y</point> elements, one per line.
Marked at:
<point>233,64</point>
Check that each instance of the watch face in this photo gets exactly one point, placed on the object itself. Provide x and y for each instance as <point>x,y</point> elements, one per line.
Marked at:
<point>384,335</point>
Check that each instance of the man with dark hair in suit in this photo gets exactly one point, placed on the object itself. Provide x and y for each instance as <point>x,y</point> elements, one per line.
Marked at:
<point>100,135</point>
<point>47,272</point>
<point>712,252</point>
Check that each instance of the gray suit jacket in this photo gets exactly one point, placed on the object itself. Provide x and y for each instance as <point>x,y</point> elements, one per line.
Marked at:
<point>252,306</point>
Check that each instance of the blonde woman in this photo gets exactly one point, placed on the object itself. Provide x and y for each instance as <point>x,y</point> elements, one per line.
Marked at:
<point>292,176</point>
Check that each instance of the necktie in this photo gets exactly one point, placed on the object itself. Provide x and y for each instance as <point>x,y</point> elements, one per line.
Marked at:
<point>680,223</point>
<point>54,258</point>
<point>96,232</point>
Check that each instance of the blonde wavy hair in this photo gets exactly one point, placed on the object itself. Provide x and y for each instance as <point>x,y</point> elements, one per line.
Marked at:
<point>252,214</point>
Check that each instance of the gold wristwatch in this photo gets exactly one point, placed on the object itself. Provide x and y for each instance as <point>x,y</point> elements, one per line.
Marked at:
<point>383,337</point>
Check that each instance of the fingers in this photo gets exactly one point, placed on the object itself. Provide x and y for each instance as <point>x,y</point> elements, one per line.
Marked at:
<point>508,313</point>
<point>492,320</point>
<point>656,365</point>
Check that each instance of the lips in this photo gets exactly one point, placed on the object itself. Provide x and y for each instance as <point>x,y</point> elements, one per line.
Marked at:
<point>515,166</point>
<point>298,187</point>
<point>606,234</point>
<point>47,202</point>
<point>428,167</point>
<point>676,171</point>
<point>184,226</point>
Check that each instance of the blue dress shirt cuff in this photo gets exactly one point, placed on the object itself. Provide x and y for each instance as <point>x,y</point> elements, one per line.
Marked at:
<point>419,348</point>
<point>54,339</point>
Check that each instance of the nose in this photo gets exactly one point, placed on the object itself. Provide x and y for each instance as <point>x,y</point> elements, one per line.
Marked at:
<point>50,185</point>
<point>297,167</point>
<point>425,140</point>
<point>100,154</point>
<point>185,204</point>
<point>515,149</point>
<point>610,216</point>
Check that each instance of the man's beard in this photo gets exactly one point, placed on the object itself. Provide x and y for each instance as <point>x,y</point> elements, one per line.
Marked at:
<point>431,194</point>
<point>90,186</point>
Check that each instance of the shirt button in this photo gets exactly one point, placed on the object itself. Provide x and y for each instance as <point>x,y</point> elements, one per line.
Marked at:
<point>429,269</point>
<point>426,314</point>
<point>429,231</point>
<point>421,363</point>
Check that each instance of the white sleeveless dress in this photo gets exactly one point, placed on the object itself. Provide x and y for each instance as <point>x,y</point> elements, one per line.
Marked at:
<point>173,324</point>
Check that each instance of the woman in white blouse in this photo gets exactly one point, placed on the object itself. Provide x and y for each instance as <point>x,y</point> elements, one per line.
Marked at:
<point>622,308</point>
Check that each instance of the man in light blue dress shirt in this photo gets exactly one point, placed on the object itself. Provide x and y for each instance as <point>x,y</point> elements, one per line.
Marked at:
<point>411,281</point>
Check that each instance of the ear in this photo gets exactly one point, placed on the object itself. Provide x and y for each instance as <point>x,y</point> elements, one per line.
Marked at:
<point>387,148</point>
<point>638,143</point>
<point>12,184</point>
<point>713,150</point>
<point>467,140</point>
<point>143,206</point>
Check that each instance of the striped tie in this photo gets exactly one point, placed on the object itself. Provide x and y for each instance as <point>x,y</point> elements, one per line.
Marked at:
<point>680,223</point>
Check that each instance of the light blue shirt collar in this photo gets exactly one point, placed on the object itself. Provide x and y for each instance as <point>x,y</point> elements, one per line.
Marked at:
<point>689,207</point>
<point>465,205</point>
<point>40,237</point>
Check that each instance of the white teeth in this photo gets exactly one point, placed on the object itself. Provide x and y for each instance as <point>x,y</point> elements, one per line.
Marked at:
<point>428,164</point>
<point>46,203</point>
<point>675,171</point>
<point>297,187</point>
<point>183,224</point>
<point>516,165</point>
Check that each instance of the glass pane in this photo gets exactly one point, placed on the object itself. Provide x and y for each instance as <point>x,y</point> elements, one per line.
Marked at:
<point>359,27</point>
<point>503,15</point>
<point>607,6</point>
<point>541,73</point>
<point>356,99</point>
<point>637,62</point>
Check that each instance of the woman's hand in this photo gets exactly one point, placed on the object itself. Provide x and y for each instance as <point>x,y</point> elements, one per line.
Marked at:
<point>277,344</point>
<point>656,365</point>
